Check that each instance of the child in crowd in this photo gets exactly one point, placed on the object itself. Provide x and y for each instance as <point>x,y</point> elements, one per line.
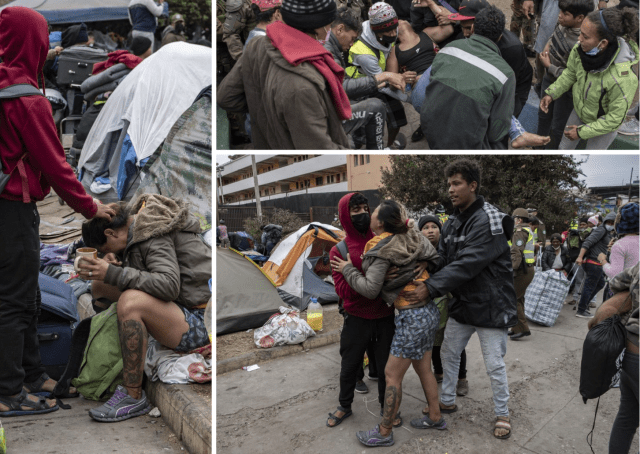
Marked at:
<point>221,233</point>
<point>554,59</point>
<point>398,243</point>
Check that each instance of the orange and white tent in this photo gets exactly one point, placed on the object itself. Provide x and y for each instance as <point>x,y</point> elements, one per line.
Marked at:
<point>299,263</point>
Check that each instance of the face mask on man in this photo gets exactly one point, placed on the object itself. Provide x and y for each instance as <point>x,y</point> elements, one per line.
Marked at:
<point>179,27</point>
<point>608,227</point>
<point>595,51</point>
<point>388,40</point>
<point>361,222</point>
<point>326,38</point>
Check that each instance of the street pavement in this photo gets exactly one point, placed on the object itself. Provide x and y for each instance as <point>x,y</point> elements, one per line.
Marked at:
<point>282,407</point>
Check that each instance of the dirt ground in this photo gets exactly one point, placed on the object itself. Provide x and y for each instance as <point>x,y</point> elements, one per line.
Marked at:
<point>240,343</point>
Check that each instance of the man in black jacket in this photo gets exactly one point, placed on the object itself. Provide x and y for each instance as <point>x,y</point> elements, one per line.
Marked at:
<point>368,112</point>
<point>475,266</point>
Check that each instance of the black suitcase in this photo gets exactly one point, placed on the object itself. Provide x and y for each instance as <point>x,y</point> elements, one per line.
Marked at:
<point>58,317</point>
<point>75,64</point>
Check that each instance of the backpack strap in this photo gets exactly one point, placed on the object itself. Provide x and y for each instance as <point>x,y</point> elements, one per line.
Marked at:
<point>18,91</point>
<point>343,249</point>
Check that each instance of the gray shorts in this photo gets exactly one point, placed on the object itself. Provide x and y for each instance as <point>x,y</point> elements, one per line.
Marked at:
<point>415,331</point>
<point>197,335</point>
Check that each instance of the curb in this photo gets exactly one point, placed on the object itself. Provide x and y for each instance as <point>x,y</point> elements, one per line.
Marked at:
<point>238,362</point>
<point>185,413</point>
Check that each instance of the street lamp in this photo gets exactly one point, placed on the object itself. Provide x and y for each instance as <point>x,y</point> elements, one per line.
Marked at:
<point>219,170</point>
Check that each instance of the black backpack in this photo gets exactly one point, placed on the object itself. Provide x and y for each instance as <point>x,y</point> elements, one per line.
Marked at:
<point>12,92</point>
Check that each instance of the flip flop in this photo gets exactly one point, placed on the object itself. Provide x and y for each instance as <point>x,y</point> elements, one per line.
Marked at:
<point>35,388</point>
<point>339,419</point>
<point>16,403</point>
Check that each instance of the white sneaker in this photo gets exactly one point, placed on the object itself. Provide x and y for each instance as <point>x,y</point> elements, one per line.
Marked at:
<point>630,128</point>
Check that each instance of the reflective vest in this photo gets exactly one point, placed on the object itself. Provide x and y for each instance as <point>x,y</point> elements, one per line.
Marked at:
<point>443,218</point>
<point>574,224</point>
<point>529,252</point>
<point>360,48</point>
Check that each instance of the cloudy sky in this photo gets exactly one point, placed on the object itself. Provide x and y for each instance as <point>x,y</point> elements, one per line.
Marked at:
<point>599,169</point>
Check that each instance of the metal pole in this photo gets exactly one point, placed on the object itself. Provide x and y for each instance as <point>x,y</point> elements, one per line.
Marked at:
<point>630,181</point>
<point>221,191</point>
<point>255,184</point>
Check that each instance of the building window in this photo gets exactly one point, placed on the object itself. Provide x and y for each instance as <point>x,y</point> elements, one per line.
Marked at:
<point>361,159</point>
<point>344,176</point>
<point>355,160</point>
<point>284,188</point>
<point>307,183</point>
<point>319,181</point>
<point>338,178</point>
<point>366,159</point>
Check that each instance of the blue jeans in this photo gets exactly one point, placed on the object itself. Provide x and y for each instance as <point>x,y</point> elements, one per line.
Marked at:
<point>594,282</point>
<point>626,423</point>
<point>493,342</point>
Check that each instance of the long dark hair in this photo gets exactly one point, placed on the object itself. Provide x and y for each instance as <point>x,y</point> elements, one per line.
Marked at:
<point>93,230</point>
<point>619,23</point>
<point>393,217</point>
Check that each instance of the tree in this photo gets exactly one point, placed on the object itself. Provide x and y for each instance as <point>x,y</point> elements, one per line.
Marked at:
<point>194,11</point>
<point>508,181</point>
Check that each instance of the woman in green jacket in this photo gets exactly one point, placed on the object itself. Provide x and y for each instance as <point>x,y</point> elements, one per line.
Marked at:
<point>599,73</point>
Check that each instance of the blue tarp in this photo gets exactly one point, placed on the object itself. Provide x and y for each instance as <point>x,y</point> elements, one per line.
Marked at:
<point>76,11</point>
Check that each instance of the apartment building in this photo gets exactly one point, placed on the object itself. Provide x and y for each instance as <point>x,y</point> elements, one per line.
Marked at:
<point>364,171</point>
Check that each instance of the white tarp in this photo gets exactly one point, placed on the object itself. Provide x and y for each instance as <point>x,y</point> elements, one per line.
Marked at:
<point>151,98</point>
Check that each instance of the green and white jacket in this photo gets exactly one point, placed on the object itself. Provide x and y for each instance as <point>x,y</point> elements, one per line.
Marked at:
<point>602,97</point>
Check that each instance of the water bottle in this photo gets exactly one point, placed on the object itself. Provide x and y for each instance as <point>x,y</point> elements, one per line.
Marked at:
<point>314,315</point>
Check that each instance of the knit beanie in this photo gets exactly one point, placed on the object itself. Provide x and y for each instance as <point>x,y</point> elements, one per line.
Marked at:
<point>308,14</point>
<point>75,34</point>
<point>429,218</point>
<point>593,220</point>
<point>140,45</point>
<point>382,17</point>
<point>627,220</point>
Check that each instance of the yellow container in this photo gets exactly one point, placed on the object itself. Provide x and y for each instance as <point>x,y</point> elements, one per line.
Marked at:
<point>314,315</point>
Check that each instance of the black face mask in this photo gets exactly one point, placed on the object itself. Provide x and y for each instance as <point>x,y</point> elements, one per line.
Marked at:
<point>361,222</point>
<point>179,28</point>
<point>388,40</point>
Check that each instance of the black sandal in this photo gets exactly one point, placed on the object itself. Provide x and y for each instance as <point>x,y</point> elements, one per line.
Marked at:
<point>16,403</point>
<point>338,419</point>
<point>35,388</point>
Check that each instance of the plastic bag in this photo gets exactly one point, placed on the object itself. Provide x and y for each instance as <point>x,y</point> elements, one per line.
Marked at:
<point>281,329</point>
<point>602,357</point>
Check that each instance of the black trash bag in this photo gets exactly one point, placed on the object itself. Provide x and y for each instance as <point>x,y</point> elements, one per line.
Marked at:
<point>600,352</point>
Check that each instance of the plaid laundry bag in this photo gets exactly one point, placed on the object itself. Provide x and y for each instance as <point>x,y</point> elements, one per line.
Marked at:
<point>545,296</point>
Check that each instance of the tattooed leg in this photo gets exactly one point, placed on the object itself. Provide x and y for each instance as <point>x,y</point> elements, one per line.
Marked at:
<point>392,397</point>
<point>133,343</point>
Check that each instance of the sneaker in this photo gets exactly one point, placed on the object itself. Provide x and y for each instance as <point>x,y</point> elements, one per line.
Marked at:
<point>584,314</point>
<point>401,142</point>
<point>372,377</point>
<point>426,423</point>
<point>630,127</point>
<point>361,387</point>
<point>417,134</point>
<point>374,438</point>
<point>463,387</point>
<point>592,305</point>
<point>121,406</point>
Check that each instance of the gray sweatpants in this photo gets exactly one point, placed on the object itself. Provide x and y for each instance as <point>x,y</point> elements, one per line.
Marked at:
<point>595,143</point>
<point>370,115</point>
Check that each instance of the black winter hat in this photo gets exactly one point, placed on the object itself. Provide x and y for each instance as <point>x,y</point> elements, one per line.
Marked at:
<point>429,218</point>
<point>140,45</point>
<point>308,14</point>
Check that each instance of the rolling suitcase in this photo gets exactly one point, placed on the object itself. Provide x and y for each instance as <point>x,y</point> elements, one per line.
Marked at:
<point>75,64</point>
<point>58,317</point>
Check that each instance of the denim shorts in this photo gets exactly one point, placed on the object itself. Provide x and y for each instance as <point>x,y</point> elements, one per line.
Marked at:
<point>197,335</point>
<point>415,331</point>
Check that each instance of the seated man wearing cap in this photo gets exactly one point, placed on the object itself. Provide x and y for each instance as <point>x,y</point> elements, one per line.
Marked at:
<point>471,75</point>
<point>511,50</point>
<point>290,84</point>
<point>367,114</point>
<point>174,32</point>
<point>368,57</point>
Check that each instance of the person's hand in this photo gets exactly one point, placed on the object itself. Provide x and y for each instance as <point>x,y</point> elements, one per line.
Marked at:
<point>544,59</point>
<point>409,76</point>
<point>421,268</point>
<point>527,8</point>
<point>571,132</point>
<point>602,5</point>
<point>392,273</point>
<point>104,212</point>
<point>602,258</point>
<point>338,264</point>
<point>422,3</point>
<point>544,103</point>
<point>111,259</point>
<point>421,293</point>
<point>443,17</point>
<point>579,261</point>
<point>517,9</point>
<point>395,80</point>
<point>92,269</point>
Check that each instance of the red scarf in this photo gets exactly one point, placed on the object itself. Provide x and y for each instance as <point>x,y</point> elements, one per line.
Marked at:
<point>119,56</point>
<point>297,47</point>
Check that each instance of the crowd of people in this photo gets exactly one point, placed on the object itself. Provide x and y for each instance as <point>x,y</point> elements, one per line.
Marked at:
<point>327,78</point>
<point>413,294</point>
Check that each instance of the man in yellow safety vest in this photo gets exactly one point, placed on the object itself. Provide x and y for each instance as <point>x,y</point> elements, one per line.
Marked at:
<point>522,259</point>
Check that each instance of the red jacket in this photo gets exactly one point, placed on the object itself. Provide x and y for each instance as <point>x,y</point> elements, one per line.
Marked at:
<point>26,124</point>
<point>354,303</point>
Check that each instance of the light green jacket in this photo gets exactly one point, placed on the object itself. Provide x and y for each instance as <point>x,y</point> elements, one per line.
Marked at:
<point>602,97</point>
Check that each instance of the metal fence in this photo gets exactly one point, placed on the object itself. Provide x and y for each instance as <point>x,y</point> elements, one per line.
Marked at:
<point>325,215</point>
<point>234,216</point>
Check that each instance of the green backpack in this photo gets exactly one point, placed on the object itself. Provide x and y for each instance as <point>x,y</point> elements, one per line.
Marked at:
<point>101,368</point>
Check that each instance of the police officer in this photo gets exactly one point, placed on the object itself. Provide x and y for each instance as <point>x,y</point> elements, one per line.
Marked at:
<point>541,231</point>
<point>522,260</point>
<point>239,21</point>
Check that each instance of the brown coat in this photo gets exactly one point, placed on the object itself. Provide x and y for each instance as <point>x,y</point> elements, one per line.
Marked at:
<point>290,106</point>
<point>165,255</point>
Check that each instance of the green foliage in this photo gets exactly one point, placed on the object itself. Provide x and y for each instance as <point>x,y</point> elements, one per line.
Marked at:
<point>194,11</point>
<point>508,181</point>
<point>288,220</point>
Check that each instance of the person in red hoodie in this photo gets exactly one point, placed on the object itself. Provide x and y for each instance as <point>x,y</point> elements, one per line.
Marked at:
<point>32,155</point>
<point>367,322</point>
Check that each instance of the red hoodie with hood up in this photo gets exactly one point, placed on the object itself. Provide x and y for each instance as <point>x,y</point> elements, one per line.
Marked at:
<point>26,124</point>
<point>354,303</point>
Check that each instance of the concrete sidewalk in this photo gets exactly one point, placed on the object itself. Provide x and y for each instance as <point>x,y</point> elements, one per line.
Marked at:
<point>283,406</point>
